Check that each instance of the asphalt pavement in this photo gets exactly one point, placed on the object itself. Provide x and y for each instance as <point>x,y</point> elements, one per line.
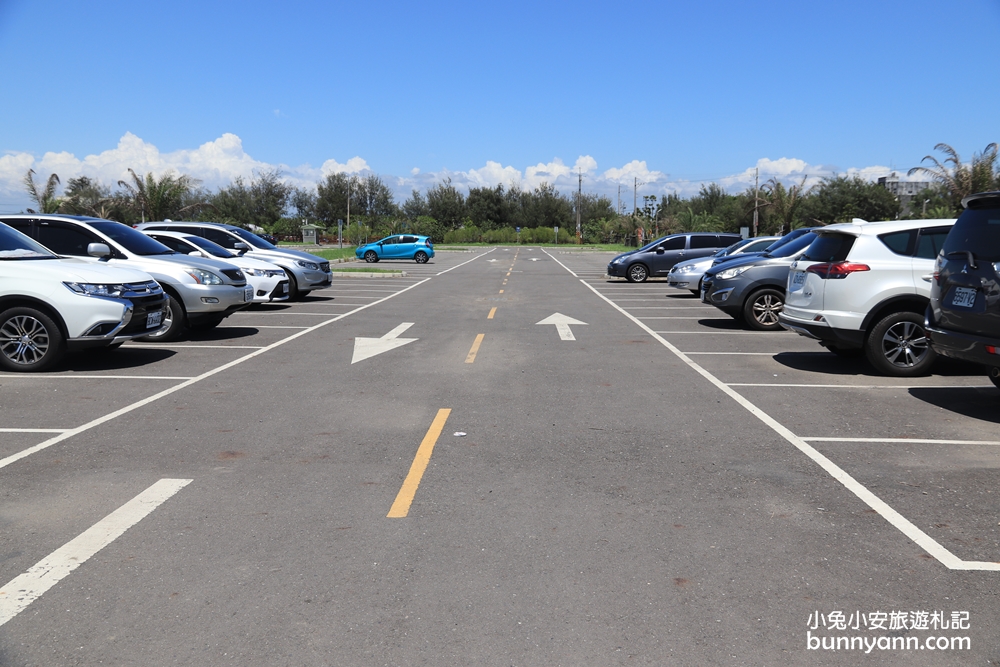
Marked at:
<point>502,458</point>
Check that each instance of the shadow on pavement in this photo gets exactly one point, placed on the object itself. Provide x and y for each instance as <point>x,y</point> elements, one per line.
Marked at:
<point>109,360</point>
<point>222,332</point>
<point>974,402</point>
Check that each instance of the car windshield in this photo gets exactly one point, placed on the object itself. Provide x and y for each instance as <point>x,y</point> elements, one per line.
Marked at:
<point>15,246</point>
<point>132,240</point>
<point>251,238</point>
<point>793,246</point>
<point>650,246</point>
<point>736,246</point>
<point>210,247</point>
<point>977,230</point>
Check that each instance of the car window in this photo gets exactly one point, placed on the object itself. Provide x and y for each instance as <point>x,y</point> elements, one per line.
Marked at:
<point>132,240</point>
<point>65,239</point>
<point>218,236</point>
<point>15,245</point>
<point>977,230</point>
<point>829,248</point>
<point>931,241</point>
<point>252,239</point>
<point>174,244</point>
<point>899,242</point>
<point>675,243</point>
<point>726,239</point>
<point>390,240</point>
<point>212,248</point>
<point>704,242</point>
<point>758,245</point>
<point>408,239</point>
<point>792,247</point>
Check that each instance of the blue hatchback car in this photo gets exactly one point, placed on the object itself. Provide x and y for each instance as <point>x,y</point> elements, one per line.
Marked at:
<point>398,246</point>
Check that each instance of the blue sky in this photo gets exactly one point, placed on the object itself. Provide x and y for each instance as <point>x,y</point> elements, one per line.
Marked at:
<point>671,93</point>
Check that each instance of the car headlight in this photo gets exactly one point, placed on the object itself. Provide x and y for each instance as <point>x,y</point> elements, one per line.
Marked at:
<point>312,266</point>
<point>96,289</point>
<point>684,269</point>
<point>728,274</point>
<point>203,277</point>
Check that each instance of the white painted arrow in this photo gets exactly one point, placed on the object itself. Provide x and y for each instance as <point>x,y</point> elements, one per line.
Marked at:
<point>562,323</point>
<point>369,347</point>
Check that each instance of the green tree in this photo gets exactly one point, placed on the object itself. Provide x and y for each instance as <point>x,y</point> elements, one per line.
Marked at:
<point>257,203</point>
<point>160,199</point>
<point>958,179</point>
<point>373,200</point>
<point>45,199</point>
<point>446,205</point>
<point>783,205</point>
<point>415,206</point>
<point>842,199</point>
<point>487,207</point>
<point>332,196</point>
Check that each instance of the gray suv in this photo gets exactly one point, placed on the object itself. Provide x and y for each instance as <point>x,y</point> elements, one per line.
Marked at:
<point>658,257</point>
<point>963,317</point>
<point>305,272</point>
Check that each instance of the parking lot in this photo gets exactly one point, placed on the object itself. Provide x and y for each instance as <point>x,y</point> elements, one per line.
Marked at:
<point>661,483</point>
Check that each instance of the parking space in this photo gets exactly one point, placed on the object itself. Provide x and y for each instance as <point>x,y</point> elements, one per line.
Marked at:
<point>926,446</point>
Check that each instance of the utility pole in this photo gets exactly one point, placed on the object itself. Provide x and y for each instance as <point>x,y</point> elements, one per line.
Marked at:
<point>579,201</point>
<point>756,201</point>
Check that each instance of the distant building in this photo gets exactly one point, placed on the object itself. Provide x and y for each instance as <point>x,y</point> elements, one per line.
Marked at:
<point>905,191</point>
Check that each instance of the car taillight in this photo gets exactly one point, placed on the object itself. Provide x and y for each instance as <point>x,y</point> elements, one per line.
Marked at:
<point>836,270</point>
<point>991,349</point>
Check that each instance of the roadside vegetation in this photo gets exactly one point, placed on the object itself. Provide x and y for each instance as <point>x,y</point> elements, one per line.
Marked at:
<point>508,214</point>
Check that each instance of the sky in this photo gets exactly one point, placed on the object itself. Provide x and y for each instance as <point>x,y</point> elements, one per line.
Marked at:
<point>672,95</point>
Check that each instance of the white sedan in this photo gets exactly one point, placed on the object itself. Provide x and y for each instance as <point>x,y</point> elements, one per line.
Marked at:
<point>269,282</point>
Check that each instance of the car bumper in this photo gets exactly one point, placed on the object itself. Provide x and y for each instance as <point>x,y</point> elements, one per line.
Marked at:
<point>267,289</point>
<point>616,270</point>
<point>115,320</point>
<point>822,331</point>
<point>966,347</point>
<point>215,300</point>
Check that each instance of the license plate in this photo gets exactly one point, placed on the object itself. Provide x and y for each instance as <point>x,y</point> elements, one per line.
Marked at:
<point>798,278</point>
<point>154,319</point>
<point>248,293</point>
<point>964,296</point>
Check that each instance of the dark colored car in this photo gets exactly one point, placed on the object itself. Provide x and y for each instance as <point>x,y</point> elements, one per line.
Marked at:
<point>658,257</point>
<point>963,317</point>
<point>752,289</point>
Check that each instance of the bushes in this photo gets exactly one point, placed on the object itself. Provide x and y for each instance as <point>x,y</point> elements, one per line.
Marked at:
<point>533,235</point>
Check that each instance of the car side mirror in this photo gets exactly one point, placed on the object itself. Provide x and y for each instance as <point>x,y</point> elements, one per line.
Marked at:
<point>99,250</point>
<point>659,251</point>
<point>196,253</point>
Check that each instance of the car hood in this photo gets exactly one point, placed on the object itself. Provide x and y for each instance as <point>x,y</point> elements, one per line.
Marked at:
<point>761,260</point>
<point>623,255</point>
<point>699,263</point>
<point>266,255</point>
<point>170,261</point>
<point>70,269</point>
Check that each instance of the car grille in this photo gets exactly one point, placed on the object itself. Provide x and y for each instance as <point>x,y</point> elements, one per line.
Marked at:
<point>142,289</point>
<point>324,266</point>
<point>142,306</point>
<point>235,274</point>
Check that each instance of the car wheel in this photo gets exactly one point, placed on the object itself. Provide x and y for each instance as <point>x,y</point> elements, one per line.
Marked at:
<point>293,286</point>
<point>420,257</point>
<point>994,376</point>
<point>304,293</point>
<point>898,346</point>
<point>761,310</point>
<point>173,322</point>
<point>637,273</point>
<point>29,340</point>
<point>371,256</point>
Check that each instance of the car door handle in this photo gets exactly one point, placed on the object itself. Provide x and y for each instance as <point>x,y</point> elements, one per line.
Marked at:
<point>927,277</point>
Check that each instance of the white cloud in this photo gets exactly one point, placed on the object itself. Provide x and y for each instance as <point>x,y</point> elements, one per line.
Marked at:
<point>217,163</point>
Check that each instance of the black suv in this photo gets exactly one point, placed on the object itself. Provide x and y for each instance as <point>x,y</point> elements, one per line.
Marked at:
<point>963,318</point>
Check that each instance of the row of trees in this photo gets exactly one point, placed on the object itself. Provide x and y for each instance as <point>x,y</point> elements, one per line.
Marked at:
<point>368,208</point>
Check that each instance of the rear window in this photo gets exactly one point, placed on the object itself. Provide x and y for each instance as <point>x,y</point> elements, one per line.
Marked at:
<point>792,247</point>
<point>978,231</point>
<point>830,248</point>
<point>899,242</point>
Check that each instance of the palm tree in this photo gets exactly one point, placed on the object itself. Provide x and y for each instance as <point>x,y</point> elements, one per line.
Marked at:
<point>959,179</point>
<point>784,203</point>
<point>160,199</point>
<point>46,199</point>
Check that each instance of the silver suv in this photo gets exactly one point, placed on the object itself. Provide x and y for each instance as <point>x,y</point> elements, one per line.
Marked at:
<point>305,272</point>
<point>200,292</point>
<point>863,287</point>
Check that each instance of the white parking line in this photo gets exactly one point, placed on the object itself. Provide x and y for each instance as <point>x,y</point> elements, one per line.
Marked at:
<point>745,354</point>
<point>4,462</point>
<point>277,326</point>
<point>168,346</point>
<point>915,441</point>
<point>861,386</point>
<point>901,523</point>
<point>33,430</point>
<point>721,333</point>
<point>465,262</point>
<point>74,376</point>
<point>21,591</point>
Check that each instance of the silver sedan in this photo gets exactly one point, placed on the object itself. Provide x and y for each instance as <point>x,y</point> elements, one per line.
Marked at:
<point>687,275</point>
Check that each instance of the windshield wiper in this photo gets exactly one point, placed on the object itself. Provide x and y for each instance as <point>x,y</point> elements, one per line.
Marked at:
<point>967,254</point>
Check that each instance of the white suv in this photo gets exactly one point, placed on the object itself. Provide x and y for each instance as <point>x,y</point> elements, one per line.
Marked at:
<point>49,305</point>
<point>863,287</point>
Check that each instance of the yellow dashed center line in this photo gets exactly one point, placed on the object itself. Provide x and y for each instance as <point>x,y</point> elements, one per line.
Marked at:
<point>501,291</point>
<point>475,348</point>
<point>493,311</point>
<point>401,506</point>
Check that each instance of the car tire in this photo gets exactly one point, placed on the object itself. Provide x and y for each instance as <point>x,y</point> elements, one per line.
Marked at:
<point>637,273</point>
<point>29,340</point>
<point>994,376</point>
<point>420,257</point>
<point>293,286</point>
<point>760,310</point>
<point>371,256</point>
<point>898,345</point>
<point>174,319</point>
